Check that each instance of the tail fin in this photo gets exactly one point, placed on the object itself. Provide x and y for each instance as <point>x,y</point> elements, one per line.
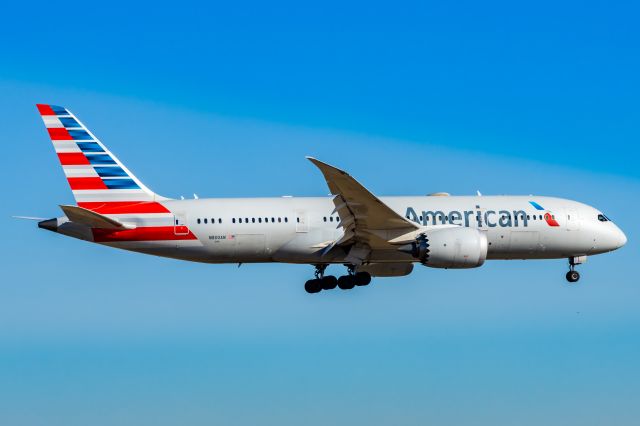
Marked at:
<point>96,177</point>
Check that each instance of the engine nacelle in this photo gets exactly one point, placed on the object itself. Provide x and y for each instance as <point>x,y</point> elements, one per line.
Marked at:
<point>450,248</point>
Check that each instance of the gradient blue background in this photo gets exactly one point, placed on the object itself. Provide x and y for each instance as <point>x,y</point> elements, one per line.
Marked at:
<point>411,98</point>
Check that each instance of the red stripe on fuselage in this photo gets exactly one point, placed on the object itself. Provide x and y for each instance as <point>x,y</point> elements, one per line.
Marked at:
<point>150,233</point>
<point>59,134</point>
<point>124,207</point>
<point>45,109</point>
<point>86,183</point>
<point>73,159</point>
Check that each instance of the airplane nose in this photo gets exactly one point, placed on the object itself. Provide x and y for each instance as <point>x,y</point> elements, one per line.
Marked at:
<point>622,238</point>
<point>619,238</point>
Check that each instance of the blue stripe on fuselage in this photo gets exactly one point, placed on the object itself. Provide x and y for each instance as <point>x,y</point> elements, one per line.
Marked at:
<point>536,205</point>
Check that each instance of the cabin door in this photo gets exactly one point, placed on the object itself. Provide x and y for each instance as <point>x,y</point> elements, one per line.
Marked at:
<point>302,224</point>
<point>572,220</point>
<point>180,224</point>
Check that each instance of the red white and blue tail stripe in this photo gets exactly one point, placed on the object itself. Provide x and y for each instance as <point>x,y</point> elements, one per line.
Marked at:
<point>94,174</point>
<point>102,184</point>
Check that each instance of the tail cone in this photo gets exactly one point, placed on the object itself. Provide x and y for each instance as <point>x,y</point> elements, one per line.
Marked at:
<point>49,224</point>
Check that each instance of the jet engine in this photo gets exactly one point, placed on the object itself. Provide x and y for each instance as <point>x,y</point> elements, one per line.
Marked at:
<point>449,248</point>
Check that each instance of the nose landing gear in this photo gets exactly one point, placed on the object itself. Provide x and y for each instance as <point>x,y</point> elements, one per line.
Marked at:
<point>573,275</point>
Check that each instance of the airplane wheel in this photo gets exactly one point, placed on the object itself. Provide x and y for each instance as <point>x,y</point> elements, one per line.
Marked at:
<point>362,278</point>
<point>346,282</point>
<point>329,282</point>
<point>573,276</point>
<point>313,286</point>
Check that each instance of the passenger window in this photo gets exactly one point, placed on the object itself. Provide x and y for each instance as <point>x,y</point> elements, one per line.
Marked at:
<point>260,220</point>
<point>233,220</point>
<point>298,219</point>
<point>330,218</point>
<point>246,220</point>
<point>205,221</point>
<point>273,219</point>
<point>219,220</point>
<point>253,220</point>
<point>528,217</point>
<point>279,219</point>
<point>286,219</point>
<point>324,218</point>
<point>198,221</point>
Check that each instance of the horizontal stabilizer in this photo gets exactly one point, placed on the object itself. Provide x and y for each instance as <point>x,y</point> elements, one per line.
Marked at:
<point>92,219</point>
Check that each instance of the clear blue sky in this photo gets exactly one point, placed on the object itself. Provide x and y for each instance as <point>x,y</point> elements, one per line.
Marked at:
<point>411,98</point>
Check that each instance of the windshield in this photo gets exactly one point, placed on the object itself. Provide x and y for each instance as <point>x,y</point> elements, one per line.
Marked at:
<point>603,218</point>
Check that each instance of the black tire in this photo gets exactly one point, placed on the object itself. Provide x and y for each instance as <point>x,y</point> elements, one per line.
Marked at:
<point>362,278</point>
<point>313,286</point>
<point>573,276</point>
<point>329,282</point>
<point>346,282</point>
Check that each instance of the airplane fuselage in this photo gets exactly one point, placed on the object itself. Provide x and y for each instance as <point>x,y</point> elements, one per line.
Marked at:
<point>293,229</point>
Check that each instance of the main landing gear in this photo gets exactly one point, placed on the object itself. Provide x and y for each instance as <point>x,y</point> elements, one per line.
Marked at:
<point>329,282</point>
<point>573,275</point>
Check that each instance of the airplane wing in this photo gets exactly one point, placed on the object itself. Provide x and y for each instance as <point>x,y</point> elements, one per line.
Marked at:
<point>367,222</point>
<point>92,219</point>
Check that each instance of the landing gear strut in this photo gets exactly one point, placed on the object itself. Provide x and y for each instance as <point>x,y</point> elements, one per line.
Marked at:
<point>573,275</point>
<point>329,282</point>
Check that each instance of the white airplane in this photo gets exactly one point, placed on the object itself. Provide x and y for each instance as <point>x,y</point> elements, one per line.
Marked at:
<point>370,235</point>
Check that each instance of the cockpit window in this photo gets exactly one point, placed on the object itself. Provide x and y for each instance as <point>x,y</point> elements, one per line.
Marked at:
<point>602,218</point>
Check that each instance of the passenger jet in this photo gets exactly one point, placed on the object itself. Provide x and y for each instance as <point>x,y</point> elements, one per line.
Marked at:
<point>371,236</point>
